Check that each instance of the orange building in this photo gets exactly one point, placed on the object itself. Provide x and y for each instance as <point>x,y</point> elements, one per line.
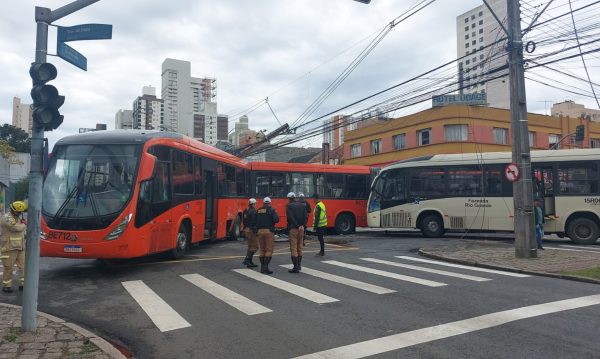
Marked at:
<point>459,129</point>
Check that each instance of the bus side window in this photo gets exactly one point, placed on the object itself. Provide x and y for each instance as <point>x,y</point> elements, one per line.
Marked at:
<point>356,186</point>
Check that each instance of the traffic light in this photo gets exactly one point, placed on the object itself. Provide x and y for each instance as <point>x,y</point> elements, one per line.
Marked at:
<point>579,133</point>
<point>46,100</point>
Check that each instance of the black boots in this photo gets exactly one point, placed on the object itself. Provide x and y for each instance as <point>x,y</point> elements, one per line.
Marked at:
<point>7,289</point>
<point>299,263</point>
<point>264,265</point>
<point>296,268</point>
<point>248,260</point>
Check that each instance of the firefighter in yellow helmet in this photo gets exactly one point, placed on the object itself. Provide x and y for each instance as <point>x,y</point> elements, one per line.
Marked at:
<point>12,244</point>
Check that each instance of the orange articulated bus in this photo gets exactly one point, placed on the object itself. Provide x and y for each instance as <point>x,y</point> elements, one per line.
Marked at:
<point>343,189</point>
<point>125,194</point>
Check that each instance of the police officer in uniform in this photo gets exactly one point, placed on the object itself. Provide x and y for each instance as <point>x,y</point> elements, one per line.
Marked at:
<point>320,222</point>
<point>296,217</point>
<point>308,209</point>
<point>12,244</point>
<point>249,218</point>
<point>266,218</point>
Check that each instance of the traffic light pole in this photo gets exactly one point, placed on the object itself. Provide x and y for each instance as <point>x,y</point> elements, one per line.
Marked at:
<point>43,17</point>
<point>524,216</point>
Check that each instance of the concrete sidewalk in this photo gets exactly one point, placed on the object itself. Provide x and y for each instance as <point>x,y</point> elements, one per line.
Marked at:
<point>551,262</point>
<point>54,338</point>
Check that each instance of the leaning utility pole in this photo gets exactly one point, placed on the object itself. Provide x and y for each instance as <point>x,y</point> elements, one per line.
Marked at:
<point>525,245</point>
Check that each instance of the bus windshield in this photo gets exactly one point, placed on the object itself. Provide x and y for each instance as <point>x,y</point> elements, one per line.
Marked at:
<point>85,181</point>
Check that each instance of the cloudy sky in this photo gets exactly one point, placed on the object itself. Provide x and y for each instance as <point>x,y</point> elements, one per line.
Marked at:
<point>287,50</point>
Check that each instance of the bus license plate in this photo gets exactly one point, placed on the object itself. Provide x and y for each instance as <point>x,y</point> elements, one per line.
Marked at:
<point>73,249</point>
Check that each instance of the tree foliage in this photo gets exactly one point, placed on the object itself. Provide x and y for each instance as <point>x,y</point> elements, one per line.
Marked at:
<point>16,138</point>
<point>8,153</point>
<point>21,188</point>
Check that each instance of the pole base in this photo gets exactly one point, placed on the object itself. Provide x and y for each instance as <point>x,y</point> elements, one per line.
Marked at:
<point>525,253</point>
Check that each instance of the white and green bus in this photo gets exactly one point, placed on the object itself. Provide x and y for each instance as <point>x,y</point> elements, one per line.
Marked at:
<point>468,192</point>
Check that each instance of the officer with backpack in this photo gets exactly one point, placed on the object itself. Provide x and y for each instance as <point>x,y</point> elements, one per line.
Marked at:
<point>266,218</point>
<point>296,218</point>
<point>249,220</point>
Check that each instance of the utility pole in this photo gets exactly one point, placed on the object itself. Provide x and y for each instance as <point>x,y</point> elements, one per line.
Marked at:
<point>43,18</point>
<point>525,245</point>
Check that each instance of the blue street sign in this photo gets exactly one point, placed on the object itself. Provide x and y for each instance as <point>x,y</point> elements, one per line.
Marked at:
<point>84,32</point>
<point>71,55</point>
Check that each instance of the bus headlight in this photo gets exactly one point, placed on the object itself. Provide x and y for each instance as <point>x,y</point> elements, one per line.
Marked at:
<point>43,236</point>
<point>116,233</point>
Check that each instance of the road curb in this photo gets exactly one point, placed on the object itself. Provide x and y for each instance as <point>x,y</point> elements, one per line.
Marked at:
<point>507,269</point>
<point>104,345</point>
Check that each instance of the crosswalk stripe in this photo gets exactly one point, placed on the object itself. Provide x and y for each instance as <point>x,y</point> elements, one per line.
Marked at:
<point>228,296</point>
<point>288,287</point>
<point>477,269</point>
<point>426,335</point>
<point>163,316</point>
<point>343,280</point>
<point>406,278</point>
<point>429,270</point>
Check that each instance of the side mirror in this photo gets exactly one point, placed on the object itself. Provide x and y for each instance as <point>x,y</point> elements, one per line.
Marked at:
<point>147,163</point>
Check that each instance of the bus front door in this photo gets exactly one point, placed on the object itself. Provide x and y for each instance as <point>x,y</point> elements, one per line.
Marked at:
<point>210,211</point>
<point>543,188</point>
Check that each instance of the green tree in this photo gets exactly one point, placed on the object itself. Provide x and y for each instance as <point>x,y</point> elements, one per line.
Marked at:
<point>15,137</point>
<point>8,153</point>
<point>21,188</point>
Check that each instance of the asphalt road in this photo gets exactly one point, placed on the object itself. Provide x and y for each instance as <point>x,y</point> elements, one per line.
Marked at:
<point>419,316</point>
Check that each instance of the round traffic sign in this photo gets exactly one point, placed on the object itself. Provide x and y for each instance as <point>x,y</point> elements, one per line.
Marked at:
<point>512,172</point>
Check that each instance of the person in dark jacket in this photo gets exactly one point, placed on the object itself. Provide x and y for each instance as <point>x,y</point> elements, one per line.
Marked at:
<point>296,217</point>
<point>249,218</point>
<point>539,223</point>
<point>266,218</point>
<point>302,199</point>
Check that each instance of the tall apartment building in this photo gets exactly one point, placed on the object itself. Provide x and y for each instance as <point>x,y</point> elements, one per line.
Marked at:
<point>148,111</point>
<point>574,110</point>
<point>21,116</point>
<point>124,120</point>
<point>190,106</point>
<point>475,30</point>
<point>242,134</point>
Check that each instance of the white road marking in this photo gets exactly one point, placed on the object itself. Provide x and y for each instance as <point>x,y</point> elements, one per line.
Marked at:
<point>228,296</point>
<point>343,280</point>
<point>429,270</point>
<point>406,278</point>
<point>425,335</point>
<point>163,316</point>
<point>288,287</point>
<point>477,269</point>
<point>581,248</point>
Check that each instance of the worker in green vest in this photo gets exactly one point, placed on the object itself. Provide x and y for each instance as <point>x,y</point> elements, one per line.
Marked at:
<point>320,222</point>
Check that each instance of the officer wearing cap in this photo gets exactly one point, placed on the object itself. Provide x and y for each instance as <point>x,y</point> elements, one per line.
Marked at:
<point>266,218</point>
<point>12,244</point>
<point>302,199</point>
<point>296,218</point>
<point>249,219</point>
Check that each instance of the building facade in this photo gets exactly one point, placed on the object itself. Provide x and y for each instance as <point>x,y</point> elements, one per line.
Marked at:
<point>190,105</point>
<point>459,129</point>
<point>124,120</point>
<point>572,109</point>
<point>476,33</point>
<point>21,115</point>
<point>148,111</point>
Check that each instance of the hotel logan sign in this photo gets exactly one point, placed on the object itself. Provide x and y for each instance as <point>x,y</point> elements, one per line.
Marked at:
<point>464,99</point>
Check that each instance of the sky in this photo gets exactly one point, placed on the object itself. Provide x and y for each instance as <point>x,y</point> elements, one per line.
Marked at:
<point>288,51</point>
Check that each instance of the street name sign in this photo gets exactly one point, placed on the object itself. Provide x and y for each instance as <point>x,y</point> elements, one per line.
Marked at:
<point>71,55</point>
<point>84,32</point>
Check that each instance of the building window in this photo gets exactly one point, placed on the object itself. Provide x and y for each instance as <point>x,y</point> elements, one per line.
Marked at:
<point>480,22</point>
<point>481,31</point>
<point>532,139</point>
<point>481,39</point>
<point>375,146</point>
<point>472,17</point>
<point>472,26</point>
<point>553,141</point>
<point>481,57</point>
<point>399,141</point>
<point>480,13</point>
<point>501,136</point>
<point>468,62</point>
<point>424,136</point>
<point>466,19</point>
<point>456,132</point>
<point>595,143</point>
<point>467,45</point>
<point>355,150</point>
<point>466,28</point>
<point>474,42</point>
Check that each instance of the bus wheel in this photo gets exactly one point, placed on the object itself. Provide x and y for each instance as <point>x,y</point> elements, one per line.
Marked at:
<point>344,224</point>
<point>583,231</point>
<point>234,233</point>
<point>432,226</point>
<point>181,244</point>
